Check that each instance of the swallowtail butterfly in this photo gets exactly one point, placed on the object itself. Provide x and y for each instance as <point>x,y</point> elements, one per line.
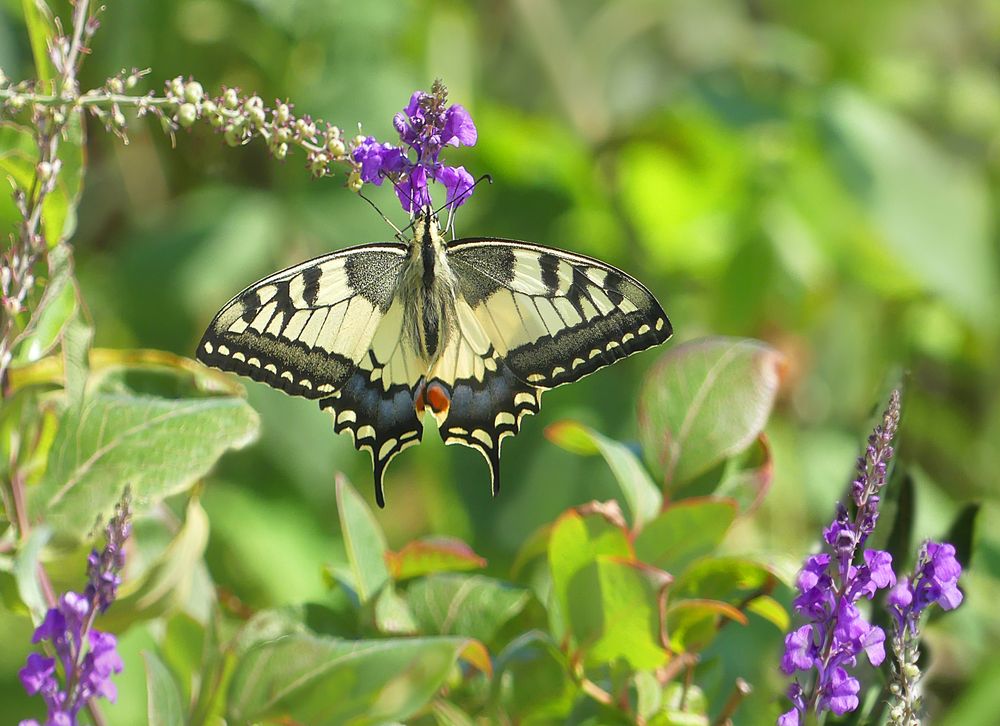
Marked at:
<point>473,330</point>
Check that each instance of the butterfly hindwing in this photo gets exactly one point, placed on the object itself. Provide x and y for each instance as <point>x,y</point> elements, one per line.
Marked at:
<point>554,316</point>
<point>376,403</point>
<point>475,397</point>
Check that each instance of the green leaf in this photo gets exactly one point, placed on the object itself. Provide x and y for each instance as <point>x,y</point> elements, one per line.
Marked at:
<point>684,705</point>
<point>26,563</point>
<point>931,210</point>
<point>532,679</point>
<point>320,680</point>
<point>614,615</point>
<point>962,533</point>
<point>432,554</point>
<point>693,624</point>
<point>575,542</point>
<point>53,311</point>
<point>685,531</point>
<point>363,540</point>
<point>38,20</point>
<point>184,651</point>
<point>166,584</point>
<point>739,581</point>
<point>470,605</point>
<point>747,476</point>
<point>705,401</point>
<point>641,494</point>
<point>163,705</point>
<point>448,714</point>
<point>393,614</point>
<point>158,446</point>
<point>771,610</point>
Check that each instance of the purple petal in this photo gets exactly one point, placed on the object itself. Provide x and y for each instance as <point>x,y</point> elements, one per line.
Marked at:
<point>458,184</point>
<point>789,718</point>
<point>880,568</point>
<point>459,130</point>
<point>413,109</point>
<point>798,650</point>
<point>36,673</point>
<point>842,695</point>
<point>52,627</point>
<point>412,191</point>
<point>873,643</point>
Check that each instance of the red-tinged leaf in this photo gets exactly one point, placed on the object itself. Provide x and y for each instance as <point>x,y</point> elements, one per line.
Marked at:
<point>432,554</point>
<point>476,655</point>
<point>693,624</point>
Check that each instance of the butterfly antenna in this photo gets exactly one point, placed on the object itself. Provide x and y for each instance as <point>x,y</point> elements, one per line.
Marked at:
<point>453,203</point>
<point>399,234</point>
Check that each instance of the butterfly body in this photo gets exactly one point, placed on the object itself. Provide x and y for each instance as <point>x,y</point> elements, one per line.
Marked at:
<point>472,330</point>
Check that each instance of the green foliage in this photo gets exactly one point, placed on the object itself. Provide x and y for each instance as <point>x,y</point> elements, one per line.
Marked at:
<point>818,184</point>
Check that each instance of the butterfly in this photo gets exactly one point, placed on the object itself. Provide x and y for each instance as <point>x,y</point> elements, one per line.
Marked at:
<point>473,330</point>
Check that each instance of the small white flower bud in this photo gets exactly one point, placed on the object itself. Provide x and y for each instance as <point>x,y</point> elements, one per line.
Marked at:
<point>131,81</point>
<point>217,120</point>
<point>230,98</point>
<point>283,134</point>
<point>177,86</point>
<point>282,113</point>
<point>193,91</point>
<point>307,129</point>
<point>354,182</point>
<point>280,151</point>
<point>187,115</point>
<point>208,107</point>
<point>359,139</point>
<point>911,672</point>
<point>44,170</point>
<point>58,118</point>
<point>336,147</point>
<point>16,102</point>
<point>118,117</point>
<point>253,102</point>
<point>233,136</point>
<point>318,162</point>
<point>257,116</point>
<point>896,713</point>
<point>115,85</point>
<point>333,132</point>
<point>894,689</point>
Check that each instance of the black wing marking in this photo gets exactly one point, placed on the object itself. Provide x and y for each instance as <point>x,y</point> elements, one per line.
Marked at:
<point>304,330</point>
<point>475,397</point>
<point>553,316</point>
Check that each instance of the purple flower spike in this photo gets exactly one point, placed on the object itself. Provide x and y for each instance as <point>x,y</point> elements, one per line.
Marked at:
<point>87,657</point>
<point>830,584</point>
<point>425,126</point>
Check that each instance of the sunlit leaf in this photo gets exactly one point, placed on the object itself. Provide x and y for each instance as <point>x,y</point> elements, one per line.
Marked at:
<point>685,531</point>
<point>641,494</point>
<point>38,20</point>
<point>164,705</point>
<point>363,540</point>
<point>470,605</point>
<point>693,624</point>
<point>432,554</point>
<point>704,401</point>
<point>320,680</point>
<point>532,678</point>
<point>393,614</point>
<point>26,564</point>
<point>157,446</point>
<point>56,306</point>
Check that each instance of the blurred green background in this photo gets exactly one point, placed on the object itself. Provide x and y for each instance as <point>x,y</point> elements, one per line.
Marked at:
<point>820,176</point>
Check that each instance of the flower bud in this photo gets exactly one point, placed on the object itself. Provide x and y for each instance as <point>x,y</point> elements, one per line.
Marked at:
<point>282,133</point>
<point>193,91</point>
<point>318,162</point>
<point>230,99</point>
<point>118,117</point>
<point>217,120</point>
<point>208,107</point>
<point>911,671</point>
<point>187,115</point>
<point>233,135</point>
<point>336,147</point>
<point>280,151</point>
<point>253,102</point>
<point>115,85</point>
<point>282,113</point>
<point>896,713</point>
<point>354,182</point>
<point>359,139</point>
<point>44,170</point>
<point>257,117</point>
<point>58,118</point>
<point>131,81</point>
<point>305,128</point>
<point>176,87</point>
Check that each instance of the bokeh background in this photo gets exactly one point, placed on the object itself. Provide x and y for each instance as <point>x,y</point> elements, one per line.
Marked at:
<point>821,176</point>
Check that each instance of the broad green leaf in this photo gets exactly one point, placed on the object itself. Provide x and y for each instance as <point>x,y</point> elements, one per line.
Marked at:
<point>432,554</point>
<point>613,613</point>
<point>693,624</point>
<point>930,209</point>
<point>533,679</point>
<point>164,706</point>
<point>723,578</point>
<point>363,540</point>
<point>470,605</point>
<point>320,680</point>
<point>38,20</point>
<point>166,584</point>
<point>76,339</point>
<point>158,446</point>
<point>26,563</point>
<point>685,531</point>
<point>704,401</point>
<point>641,494</point>
<point>771,610</point>
<point>184,650</point>
<point>574,543</point>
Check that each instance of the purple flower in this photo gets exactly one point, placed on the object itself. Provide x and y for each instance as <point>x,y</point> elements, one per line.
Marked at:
<point>829,586</point>
<point>87,657</point>
<point>425,126</point>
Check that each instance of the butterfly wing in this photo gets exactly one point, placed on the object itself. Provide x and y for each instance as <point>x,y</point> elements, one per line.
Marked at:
<point>529,318</point>
<point>329,329</point>
<point>554,316</point>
